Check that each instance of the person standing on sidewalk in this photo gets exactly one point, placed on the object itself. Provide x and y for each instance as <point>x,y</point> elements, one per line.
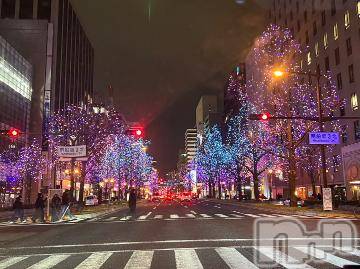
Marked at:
<point>18,209</point>
<point>55,207</point>
<point>132,200</point>
<point>39,208</point>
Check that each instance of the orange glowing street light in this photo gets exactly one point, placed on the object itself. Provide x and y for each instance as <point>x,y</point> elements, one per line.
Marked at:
<point>278,73</point>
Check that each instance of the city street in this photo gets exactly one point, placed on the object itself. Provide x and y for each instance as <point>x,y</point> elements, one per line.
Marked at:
<point>200,234</point>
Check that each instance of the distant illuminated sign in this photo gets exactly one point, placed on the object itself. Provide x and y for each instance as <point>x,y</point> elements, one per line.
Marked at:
<point>323,138</point>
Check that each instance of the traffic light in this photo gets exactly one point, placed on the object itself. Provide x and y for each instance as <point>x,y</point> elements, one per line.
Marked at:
<point>137,132</point>
<point>265,116</point>
<point>13,133</point>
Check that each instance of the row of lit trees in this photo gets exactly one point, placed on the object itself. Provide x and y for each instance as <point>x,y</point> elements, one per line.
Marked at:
<point>109,148</point>
<point>249,148</point>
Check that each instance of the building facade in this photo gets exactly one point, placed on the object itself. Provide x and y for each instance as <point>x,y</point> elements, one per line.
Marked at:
<point>190,148</point>
<point>49,34</point>
<point>328,32</point>
<point>15,92</point>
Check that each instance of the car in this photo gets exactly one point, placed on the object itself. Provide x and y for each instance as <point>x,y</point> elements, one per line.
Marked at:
<point>91,200</point>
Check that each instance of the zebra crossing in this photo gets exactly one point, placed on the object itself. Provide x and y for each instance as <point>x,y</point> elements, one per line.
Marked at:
<point>30,223</point>
<point>202,216</point>
<point>188,258</point>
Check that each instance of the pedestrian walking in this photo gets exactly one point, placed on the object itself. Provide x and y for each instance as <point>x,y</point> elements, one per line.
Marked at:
<point>132,200</point>
<point>39,208</point>
<point>65,205</point>
<point>18,209</point>
<point>55,207</point>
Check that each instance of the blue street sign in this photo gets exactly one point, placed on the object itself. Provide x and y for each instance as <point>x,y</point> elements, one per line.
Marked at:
<point>322,138</point>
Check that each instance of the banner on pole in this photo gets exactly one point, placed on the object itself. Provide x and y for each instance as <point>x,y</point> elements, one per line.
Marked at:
<point>327,199</point>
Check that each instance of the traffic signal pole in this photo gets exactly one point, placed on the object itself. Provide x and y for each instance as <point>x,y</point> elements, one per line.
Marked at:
<point>321,126</point>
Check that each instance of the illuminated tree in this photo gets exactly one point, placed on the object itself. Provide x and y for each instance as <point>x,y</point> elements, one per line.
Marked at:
<point>292,96</point>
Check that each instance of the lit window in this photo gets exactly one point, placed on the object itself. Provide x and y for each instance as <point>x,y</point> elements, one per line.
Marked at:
<point>309,58</point>
<point>326,43</point>
<point>354,102</point>
<point>347,19</point>
<point>358,9</point>
<point>316,49</point>
<point>336,31</point>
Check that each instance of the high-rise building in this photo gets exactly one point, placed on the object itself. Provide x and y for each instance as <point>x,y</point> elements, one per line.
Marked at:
<point>190,147</point>
<point>329,33</point>
<point>206,110</point>
<point>50,36</point>
<point>15,93</point>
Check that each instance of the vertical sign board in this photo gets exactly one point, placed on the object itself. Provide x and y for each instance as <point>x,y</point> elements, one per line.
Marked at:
<point>327,199</point>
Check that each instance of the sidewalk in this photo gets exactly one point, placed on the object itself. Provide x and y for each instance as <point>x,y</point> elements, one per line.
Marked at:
<point>280,209</point>
<point>86,213</point>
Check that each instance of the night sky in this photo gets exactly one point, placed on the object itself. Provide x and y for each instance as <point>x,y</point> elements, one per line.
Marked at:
<point>160,56</point>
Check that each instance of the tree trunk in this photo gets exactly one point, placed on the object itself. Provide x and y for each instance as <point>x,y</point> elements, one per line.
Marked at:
<point>239,183</point>
<point>82,183</point>
<point>256,184</point>
<point>72,181</point>
<point>219,188</point>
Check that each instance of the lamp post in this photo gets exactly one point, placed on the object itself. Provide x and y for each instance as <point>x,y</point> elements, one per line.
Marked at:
<point>279,73</point>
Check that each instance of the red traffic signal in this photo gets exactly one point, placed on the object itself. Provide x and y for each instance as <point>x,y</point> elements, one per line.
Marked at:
<point>13,133</point>
<point>263,116</point>
<point>137,132</point>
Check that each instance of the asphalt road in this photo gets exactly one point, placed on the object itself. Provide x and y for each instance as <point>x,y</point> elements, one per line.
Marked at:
<point>199,234</point>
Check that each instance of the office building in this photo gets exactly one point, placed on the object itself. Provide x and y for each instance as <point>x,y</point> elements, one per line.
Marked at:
<point>329,34</point>
<point>15,93</point>
<point>50,36</point>
<point>190,148</point>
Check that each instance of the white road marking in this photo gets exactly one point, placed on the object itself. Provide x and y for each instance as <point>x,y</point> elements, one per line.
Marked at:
<point>284,216</point>
<point>324,256</point>
<point>217,206</point>
<point>49,262</point>
<point>185,206</point>
<point>154,207</point>
<point>140,260</point>
<point>193,212</point>
<point>174,216</point>
<point>301,216</point>
<point>234,259</point>
<point>187,258</point>
<point>158,217</point>
<point>145,216</point>
<point>267,215</point>
<point>190,215</point>
<point>111,218</point>
<point>11,261</point>
<point>352,251</point>
<point>282,258</point>
<point>94,261</point>
<point>126,218</point>
<point>205,216</point>
<point>252,215</point>
<point>237,215</point>
<point>221,215</point>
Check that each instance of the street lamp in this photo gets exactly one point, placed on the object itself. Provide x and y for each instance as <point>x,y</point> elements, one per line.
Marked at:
<point>278,73</point>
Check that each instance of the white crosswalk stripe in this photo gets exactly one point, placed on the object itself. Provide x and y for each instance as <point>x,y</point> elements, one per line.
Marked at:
<point>190,215</point>
<point>234,259</point>
<point>221,215</point>
<point>174,216</point>
<point>267,215</point>
<point>158,217</point>
<point>111,218</point>
<point>205,215</point>
<point>282,258</point>
<point>237,215</point>
<point>187,258</point>
<point>11,261</point>
<point>145,216</point>
<point>252,215</point>
<point>94,261</point>
<point>49,262</point>
<point>126,218</point>
<point>322,255</point>
<point>140,260</point>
